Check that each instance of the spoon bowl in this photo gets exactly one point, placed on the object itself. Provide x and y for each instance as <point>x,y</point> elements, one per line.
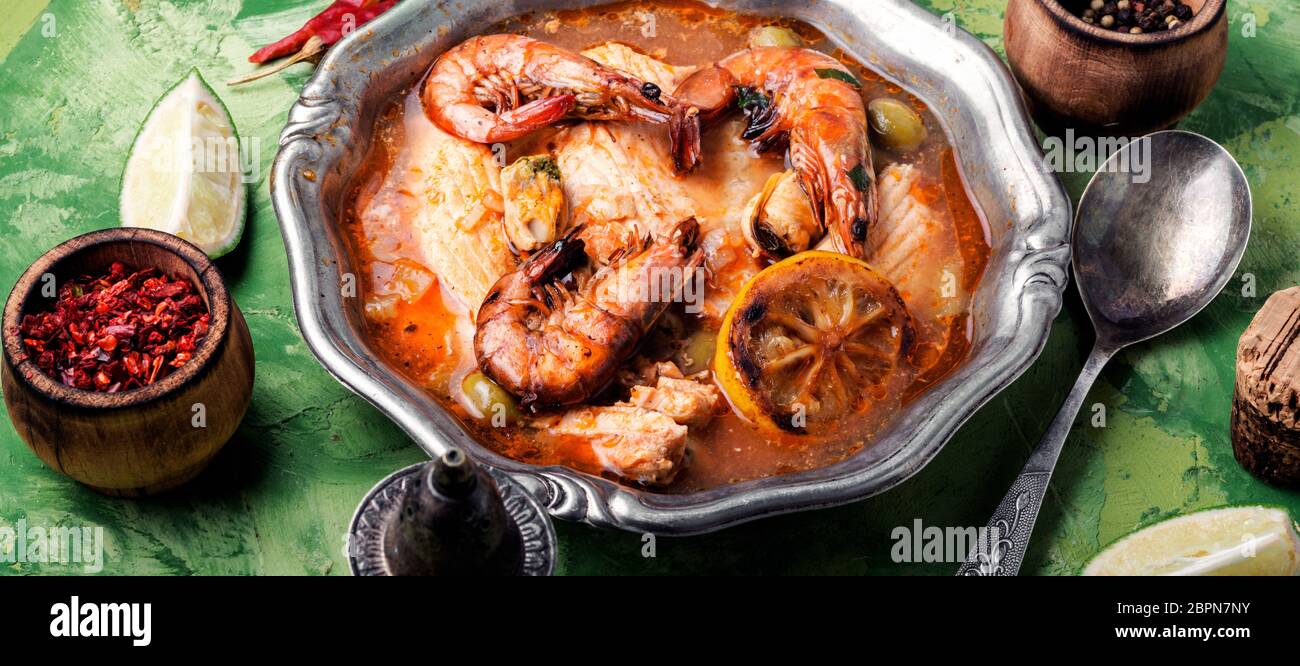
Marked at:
<point>1158,233</point>
<point>1160,229</point>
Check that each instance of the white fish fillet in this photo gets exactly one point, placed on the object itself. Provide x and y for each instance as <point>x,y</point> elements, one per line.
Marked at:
<point>605,169</point>
<point>917,250</point>
<point>617,176</point>
<point>628,60</point>
<point>447,192</point>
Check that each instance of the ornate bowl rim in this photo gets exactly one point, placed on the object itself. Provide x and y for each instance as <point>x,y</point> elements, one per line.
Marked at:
<point>962,80</point>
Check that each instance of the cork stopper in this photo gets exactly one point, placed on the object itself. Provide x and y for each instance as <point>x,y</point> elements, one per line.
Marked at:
<point>1266,394</point>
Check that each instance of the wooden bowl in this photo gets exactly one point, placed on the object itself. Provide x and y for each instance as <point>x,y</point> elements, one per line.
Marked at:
<point>142,441</point>
<point>1100,82</point>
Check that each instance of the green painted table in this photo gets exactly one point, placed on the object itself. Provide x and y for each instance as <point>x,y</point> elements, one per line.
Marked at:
<point>78,76</point>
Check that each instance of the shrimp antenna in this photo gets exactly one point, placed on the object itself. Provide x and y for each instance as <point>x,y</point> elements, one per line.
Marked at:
<point>558,259</point>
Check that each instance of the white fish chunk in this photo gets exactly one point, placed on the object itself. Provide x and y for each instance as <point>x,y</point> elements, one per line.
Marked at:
<point>632,442</point>
<point>440,205</point>
<point>617,176</point>
<point>641,371</point>
<point>687,402</point>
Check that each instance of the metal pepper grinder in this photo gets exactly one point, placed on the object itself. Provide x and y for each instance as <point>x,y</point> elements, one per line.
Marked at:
<point>450,517</point>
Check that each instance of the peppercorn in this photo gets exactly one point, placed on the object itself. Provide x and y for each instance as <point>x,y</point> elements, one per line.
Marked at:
<point>1146,15</point>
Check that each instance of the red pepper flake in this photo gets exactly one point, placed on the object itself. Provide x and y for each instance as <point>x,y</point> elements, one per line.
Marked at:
<point>331,25</point>
<point>119,331</point>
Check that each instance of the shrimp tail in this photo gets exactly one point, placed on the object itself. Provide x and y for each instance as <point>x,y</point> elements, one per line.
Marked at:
<point>762,118</point>
<point>684,137</point>
<point>703,98</point>
<point>686,235</point>
<point>531,117</point>
<point>557,259</point>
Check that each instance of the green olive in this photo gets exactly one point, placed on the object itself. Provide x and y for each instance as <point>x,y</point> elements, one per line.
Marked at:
<point>697,353</point>
<point>664,339</point>
<point>896,125</point>
<point>489,399</point>
<point>773,35</point>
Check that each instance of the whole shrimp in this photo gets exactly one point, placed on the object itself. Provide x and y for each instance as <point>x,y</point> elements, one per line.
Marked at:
<point>798,97</point>
<point>501,87</point>
<point>554,346</point>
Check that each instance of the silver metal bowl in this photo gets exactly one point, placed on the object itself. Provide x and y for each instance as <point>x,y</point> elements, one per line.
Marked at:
<point>962,80</point>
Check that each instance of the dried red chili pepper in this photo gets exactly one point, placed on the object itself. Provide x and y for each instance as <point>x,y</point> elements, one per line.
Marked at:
<point>330,25</point>
<point>119,331</point>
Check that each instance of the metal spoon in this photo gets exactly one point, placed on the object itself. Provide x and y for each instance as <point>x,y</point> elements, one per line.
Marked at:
<point>1147,256</point>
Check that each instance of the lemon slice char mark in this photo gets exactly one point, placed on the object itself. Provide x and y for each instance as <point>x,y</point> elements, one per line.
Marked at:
<point>812,339</point>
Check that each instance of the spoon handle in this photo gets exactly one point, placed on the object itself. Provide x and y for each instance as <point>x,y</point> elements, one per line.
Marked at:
<point>1003,543</point>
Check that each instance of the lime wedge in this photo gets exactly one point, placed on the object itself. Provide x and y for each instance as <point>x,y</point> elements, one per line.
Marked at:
<point>1231,541</point>
<point>184,174</point>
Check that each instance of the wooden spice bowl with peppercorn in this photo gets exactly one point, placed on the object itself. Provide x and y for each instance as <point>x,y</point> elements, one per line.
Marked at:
<point>127,365</point>
<point>1090,66</point>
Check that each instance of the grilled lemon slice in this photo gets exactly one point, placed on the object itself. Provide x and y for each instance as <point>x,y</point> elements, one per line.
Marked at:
<point>811,340</point>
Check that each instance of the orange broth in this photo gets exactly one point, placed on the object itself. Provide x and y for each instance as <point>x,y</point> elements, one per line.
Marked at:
<point>420,339</point>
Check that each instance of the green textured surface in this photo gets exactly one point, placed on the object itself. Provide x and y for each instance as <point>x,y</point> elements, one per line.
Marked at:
<point>77,77</point>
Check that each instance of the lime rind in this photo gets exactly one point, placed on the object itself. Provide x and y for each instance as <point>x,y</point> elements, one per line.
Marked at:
<point>241,212</point>
<point>1249,539</point>
<point>225,208</point>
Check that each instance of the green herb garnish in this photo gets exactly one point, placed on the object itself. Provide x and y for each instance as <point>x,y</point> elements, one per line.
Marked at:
<point>547,166</point>
<point>749,99</point>
<point>840,75</point>
<point>858,175</point>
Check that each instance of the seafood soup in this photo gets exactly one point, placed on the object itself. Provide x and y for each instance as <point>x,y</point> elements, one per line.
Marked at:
<point>667,244</point>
